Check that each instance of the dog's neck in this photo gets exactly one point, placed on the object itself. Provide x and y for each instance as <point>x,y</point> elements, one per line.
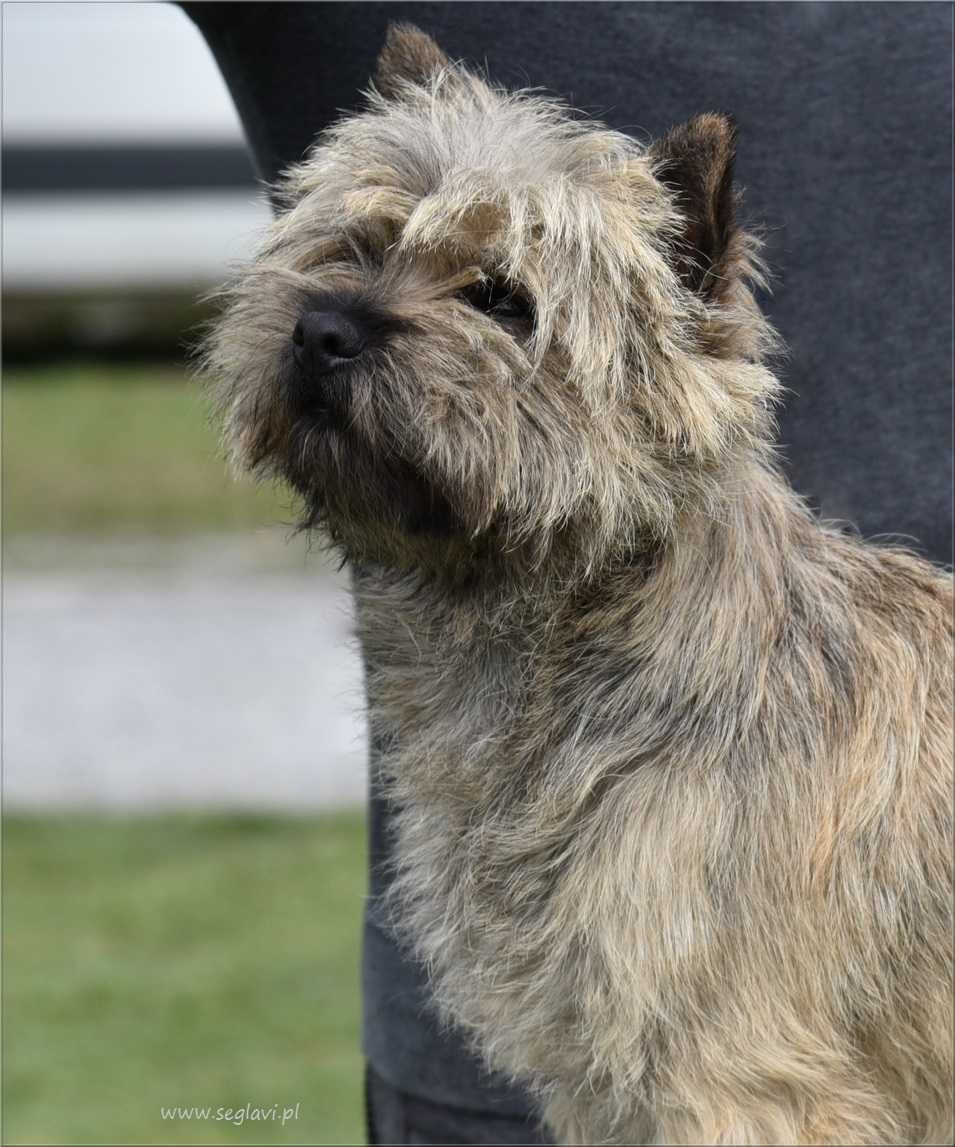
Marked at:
<point>716,549</point>
<point>697,619</point>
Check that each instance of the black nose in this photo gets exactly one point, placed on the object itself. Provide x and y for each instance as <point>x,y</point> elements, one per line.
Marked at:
<point>324,340</point>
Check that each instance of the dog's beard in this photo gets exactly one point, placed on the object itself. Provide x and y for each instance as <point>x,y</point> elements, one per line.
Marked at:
<point>364,493</point>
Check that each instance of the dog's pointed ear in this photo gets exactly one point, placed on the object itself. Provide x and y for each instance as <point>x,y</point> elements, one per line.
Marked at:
<point>695,160</point>
<point>407,56</point>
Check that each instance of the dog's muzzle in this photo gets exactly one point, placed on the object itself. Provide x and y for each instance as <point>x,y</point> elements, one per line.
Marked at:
<point>334,335</point>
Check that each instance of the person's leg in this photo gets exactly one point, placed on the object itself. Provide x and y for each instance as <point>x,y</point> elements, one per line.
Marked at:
<point>397,1117</point>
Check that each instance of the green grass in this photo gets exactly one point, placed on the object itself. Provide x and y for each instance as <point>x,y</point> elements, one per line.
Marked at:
<point>110,449</point>
<point>177,961</point>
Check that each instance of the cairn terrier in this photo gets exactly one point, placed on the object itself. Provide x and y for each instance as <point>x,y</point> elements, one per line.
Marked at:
<point>671,759</point>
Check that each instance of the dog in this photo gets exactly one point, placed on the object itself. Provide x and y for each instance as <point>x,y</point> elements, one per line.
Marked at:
<point>671,760</point>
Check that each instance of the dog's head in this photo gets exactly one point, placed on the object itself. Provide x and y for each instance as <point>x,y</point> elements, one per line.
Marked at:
<point>485,330</point>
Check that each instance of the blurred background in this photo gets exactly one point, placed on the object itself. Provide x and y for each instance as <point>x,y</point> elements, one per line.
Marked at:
<point>183,746</point>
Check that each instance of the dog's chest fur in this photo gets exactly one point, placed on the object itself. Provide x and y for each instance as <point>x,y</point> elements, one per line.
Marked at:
<point>506,736</point>
<point>463,705</point>
<point>609,825</point>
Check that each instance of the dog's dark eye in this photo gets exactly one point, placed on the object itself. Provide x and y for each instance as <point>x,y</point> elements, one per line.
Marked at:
<point>500,299</point>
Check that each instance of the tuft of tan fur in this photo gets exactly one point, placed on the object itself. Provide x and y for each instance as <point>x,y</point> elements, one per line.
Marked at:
<point>406,57</point>
<point>671,759</point>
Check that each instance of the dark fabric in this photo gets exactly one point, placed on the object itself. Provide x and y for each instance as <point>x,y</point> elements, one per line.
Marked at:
<point>394,1116</point>
<point>845,151</point>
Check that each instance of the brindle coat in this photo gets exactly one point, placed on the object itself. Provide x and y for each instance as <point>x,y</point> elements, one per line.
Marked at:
<point>671,758</point>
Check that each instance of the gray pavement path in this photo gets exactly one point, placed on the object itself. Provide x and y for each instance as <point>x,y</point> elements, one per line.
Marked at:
<point>148,675</point>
